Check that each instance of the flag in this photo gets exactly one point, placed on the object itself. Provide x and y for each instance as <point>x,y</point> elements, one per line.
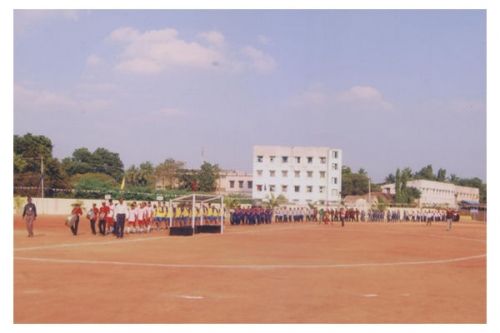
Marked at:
<point>122,186</point>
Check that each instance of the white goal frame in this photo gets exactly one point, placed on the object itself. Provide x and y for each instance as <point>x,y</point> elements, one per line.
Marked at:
<point>200,199</point>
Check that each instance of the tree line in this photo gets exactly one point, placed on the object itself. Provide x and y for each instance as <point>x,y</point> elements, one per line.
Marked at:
<point>356,183</point>
<point>90,174</point>
<point>87,174</point>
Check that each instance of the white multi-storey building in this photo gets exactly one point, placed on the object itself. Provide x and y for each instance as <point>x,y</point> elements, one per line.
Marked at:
<point>439,193</point>
<point>301,174</point>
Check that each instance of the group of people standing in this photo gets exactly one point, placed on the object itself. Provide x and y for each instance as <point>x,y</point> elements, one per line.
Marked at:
<point>139,217</point>
<point>252,215</point>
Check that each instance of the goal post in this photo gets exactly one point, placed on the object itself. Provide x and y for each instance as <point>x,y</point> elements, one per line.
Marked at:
<point>196,213</point>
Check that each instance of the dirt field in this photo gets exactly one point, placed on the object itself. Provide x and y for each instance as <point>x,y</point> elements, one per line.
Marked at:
<point>279,273</point>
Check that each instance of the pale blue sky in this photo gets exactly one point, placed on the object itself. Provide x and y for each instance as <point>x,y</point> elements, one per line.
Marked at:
<point>390,88</point>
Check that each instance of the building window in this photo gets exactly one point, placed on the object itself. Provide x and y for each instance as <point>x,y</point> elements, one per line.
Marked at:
<point>284,159</point>
<point>309,189</point>
<point>284,188</point>
<point>231,183</point>
<point>309,159</point>
<point>259,188</point>
<point>284,173</point>
<point>322,160</point>
<point>271,158</point>
<point>250,184</point>
<point>335,166</point>
<point>271,188</point>
<point>334,180</point>
<point>297,188</point>
<point>322,174</point>
<point>240,183</point>
<point>309,174</point>
<point>321,189</point>
<point>335,154</point>
<point>259,172</point>
<point>297,174</point>
<point>272,173</point>
<point>260,158</point>
<point>297,159</point>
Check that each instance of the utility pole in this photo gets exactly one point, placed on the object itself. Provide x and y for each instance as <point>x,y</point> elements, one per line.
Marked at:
<point>369,193</point>
<point>41,171</point>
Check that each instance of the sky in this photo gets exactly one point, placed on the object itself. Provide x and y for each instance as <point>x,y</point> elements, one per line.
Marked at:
<point>392,89</point>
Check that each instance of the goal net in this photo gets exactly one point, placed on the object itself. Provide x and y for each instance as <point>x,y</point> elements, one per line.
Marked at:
<point>196,213</point>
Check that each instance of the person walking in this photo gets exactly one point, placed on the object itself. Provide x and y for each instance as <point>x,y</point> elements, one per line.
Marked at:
<point>92,216</point>
<point>121,213</point>
<point>76,212</point>
<point>29,216</point>
<point>103,212</point>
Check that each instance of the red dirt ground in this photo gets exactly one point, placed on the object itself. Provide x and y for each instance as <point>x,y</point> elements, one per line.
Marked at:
<point>279,273</point>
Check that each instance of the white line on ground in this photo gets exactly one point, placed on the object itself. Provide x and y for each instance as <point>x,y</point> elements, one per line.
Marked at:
<point>121,241</point>
<point>109,242</point>
<point>255,266</point>
<point>266,228</point>
<point>191,297</point>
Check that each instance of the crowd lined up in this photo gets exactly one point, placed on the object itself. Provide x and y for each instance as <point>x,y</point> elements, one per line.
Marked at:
<point>144,217</point>
<point>258,215</point>
<point>140,217</point>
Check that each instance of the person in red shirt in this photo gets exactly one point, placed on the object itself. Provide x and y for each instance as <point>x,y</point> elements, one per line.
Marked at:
<point>76,213</point>
<point>103,212</point>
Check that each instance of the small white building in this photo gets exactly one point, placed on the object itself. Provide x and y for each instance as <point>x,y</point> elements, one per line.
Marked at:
<point>235,182</point>
<point>301,174</point>
<point>438,193</point>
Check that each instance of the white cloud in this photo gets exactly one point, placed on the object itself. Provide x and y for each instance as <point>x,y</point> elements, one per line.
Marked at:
<point>169,112</point>
<point>214,38</point>
<point>40,99</point>
<point>158,50</point>
<point>363,96</point>
<point>125,34</point>
<point>259,60</point>
<point>93,60</point>
<point>314,97</point>
<point>96,87</point>
<point>354,98</point>
<point>27,99</point>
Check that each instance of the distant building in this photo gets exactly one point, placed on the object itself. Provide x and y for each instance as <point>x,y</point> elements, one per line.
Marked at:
<point>439,193</point>
<point>301,174</point>
<point>235,182</point>
<point>367,201</point>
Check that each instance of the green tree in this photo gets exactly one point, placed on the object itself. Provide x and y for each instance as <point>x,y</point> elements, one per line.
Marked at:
<point>354,183</point>
<point>208,176</point>
<point>188,179</point>
<point>100,161</point>
<point>397,186</point>
<point>441,175</point>
<point>146,174</point>
<point>167,173</point>
<point>390,179</point>
<point>426,173</point>
<point>93,185</point>
<point>29,152</point>
<point>274,202</point>
<point>20,163</point>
